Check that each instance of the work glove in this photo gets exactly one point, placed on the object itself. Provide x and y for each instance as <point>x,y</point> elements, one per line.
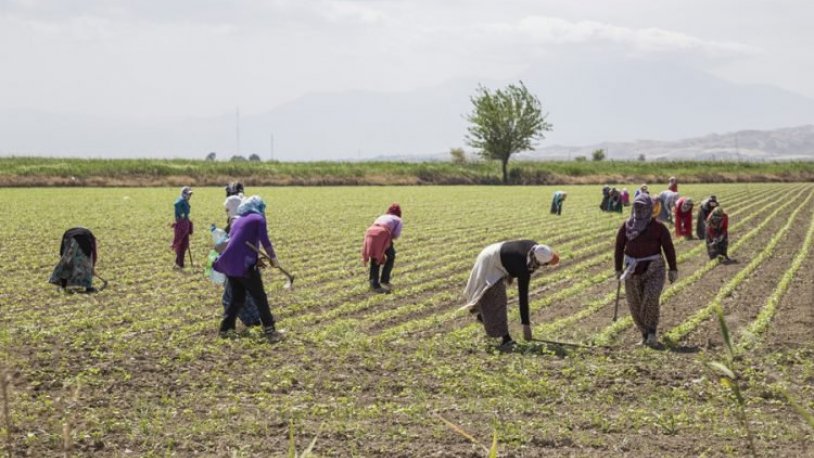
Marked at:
<point>618,274</point>
<point>672,276</point>
<point>527,332</point>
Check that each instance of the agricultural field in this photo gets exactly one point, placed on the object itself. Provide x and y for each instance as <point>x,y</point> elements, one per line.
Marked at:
<point>138,369</point>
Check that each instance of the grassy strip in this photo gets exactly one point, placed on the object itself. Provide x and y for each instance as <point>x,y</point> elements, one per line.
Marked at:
<point>680,331</point>
<point>751,334</point>
<point>606,336</point>
<point>29,171</point>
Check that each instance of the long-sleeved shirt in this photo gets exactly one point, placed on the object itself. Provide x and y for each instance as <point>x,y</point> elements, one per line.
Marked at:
<point>514,257</point>
<point>181,208</point>
<point>655,239</point>
<point>392,223</point>
<point>238,258</point>
<point>716,232</point>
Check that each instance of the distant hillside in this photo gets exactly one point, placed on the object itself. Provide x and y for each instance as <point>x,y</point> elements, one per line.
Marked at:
<point>617,100</point>
<point>793,143</point>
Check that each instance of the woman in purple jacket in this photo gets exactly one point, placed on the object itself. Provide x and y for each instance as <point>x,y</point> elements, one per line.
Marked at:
<point>240,264</point>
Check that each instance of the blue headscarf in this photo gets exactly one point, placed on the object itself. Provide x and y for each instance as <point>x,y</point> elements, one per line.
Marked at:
<point>253,204</point>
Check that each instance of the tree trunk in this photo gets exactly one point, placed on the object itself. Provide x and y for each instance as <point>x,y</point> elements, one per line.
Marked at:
<point>505,163</point>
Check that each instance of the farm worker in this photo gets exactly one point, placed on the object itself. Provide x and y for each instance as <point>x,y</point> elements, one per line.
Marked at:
<point>605,198</point>
<point>241,266</point>
<point>668,201</point>
<point>717,234</point>
<point>639,244</point>
<point>496,266</point>
<point>234,195</point>
<point>683,212</point>
<point>182,227</point>
<point>77,263</point>
<point>625,197</point>
<point>642,189</point>
<point>615,201</point>
<point>248,315</point>
<point>557,201</point>
<point>672,184</point>
<point>706,207</point>
<point>378,248</point>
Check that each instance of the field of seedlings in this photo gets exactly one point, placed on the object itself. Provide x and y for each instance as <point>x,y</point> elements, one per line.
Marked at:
<point>138,369</point>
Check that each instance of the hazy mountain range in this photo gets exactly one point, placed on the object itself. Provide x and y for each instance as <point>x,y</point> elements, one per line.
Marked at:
<point>608,104</point>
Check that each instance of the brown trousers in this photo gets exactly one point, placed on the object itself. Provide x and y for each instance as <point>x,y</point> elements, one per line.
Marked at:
<point>492,308</point>
<point>643,292</point>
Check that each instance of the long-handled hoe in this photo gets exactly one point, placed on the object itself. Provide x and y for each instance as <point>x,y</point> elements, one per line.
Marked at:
<point>289,284</point>
<point>104,282</point>
<point>616,305</point>
<point>568,344</point>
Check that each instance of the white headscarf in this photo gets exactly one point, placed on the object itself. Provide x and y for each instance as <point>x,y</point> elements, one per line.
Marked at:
<point>542,253</point>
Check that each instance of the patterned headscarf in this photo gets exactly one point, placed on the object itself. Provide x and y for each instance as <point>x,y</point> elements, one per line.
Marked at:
<point>186,192</point>
<point>687,205</point>
<point>253,204</point>
<point>394,209</point>
<point>716,217</point>
<point>640,217</point>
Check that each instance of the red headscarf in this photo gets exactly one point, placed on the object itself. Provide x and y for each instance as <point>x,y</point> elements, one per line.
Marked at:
<point>394,209</point>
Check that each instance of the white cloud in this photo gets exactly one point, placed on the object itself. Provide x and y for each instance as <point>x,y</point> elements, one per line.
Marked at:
<point>548,31</point>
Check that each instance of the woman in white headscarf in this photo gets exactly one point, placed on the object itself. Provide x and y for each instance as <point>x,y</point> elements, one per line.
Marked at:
<point>497,265</point>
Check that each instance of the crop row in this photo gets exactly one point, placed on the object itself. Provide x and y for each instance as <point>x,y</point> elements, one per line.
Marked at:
<point>410,327</point>
<point>751,334</point>
<point>606,336</point>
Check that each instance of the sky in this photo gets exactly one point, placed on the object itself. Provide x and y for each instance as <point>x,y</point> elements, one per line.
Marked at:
<point>201,58</point>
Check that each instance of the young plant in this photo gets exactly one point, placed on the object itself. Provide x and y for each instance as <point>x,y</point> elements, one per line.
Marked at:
<point>730,380</point>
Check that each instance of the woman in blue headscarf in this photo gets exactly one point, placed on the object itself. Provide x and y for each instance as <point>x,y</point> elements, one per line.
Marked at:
<point>240,263</point>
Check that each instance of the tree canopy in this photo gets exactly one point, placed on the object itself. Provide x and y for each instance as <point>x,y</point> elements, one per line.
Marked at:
<point>504,122</point>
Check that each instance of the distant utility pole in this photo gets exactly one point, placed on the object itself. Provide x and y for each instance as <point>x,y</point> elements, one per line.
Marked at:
<point>237,130</point>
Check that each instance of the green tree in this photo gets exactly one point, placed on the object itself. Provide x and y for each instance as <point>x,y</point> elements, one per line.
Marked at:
<point>254,158</point>
<point>211,156</point>
<point>598,155</point>
<point>505,122</point>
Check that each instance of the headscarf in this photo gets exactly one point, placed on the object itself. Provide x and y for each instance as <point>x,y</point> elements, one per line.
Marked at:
<point>687,205</point>
<point>232,204</point>
<point>233,189</point>
<point>394,209</point>
<point>543,254</point>
<point>253,204</point>
<point>656,207</point>
<point>640,217</point>
<point>716,217</point>
<point>644,189</point>
<point>186,192</point>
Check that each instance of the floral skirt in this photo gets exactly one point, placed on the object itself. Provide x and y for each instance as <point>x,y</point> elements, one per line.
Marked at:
<point>75,268</point>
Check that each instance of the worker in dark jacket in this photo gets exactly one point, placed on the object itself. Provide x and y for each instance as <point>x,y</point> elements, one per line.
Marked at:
<point>640,242</point>
<point>704,210</point>
<point>495,266</point>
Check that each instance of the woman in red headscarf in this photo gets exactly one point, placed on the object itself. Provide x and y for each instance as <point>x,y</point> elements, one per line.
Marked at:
<point>378,248</point>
